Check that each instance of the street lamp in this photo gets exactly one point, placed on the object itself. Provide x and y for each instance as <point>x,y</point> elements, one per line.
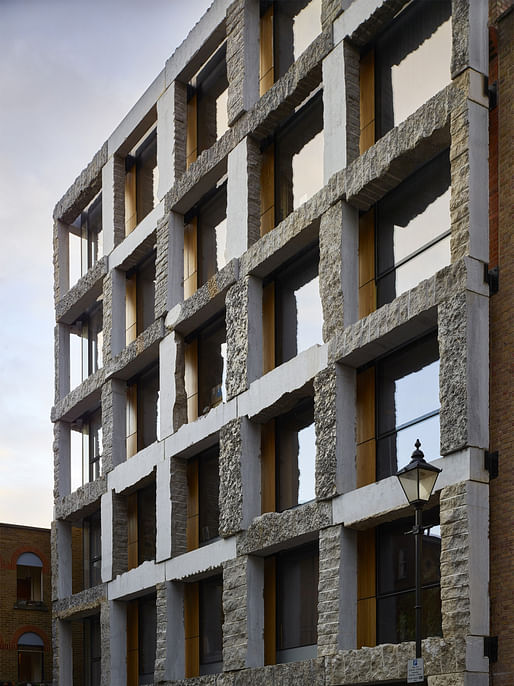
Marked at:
<point>418,480</point>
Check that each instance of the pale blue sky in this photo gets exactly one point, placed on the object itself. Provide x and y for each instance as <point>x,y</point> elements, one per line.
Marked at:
<point>70,71</point>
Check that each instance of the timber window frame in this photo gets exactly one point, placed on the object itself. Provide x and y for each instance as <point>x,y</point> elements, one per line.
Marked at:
<point>205,230</point>
<point>142,410</point>
<point>417,25</point>
<point>141,179</point>
<point>292,163</point>
<point>291,604</point>
<point>207,93</point>
<point>140,297</point>
<point>203,626</point>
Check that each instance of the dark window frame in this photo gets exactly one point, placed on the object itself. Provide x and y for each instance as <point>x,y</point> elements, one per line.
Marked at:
<point>210,660</point>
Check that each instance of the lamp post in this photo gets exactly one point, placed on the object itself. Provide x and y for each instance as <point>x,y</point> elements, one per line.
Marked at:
<point>418,480</point>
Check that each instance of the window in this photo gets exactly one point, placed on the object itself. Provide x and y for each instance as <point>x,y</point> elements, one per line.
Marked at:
<point>92,446</point>
<point>142,408</point>
<point>93,550</point>
<point>85,240</point>
<point>140,298</point>
<point>413,230</point>
<point>207,118</point>
<point>396,580</point>
<point>205,368</point>
<point>292,313</point>
<point>394,80</point>
<point>203,498</point>
<point>287,28</point>
<point>141,525</point>
<point>205,236</point>
<point>92,651</point>
<point>291,586</point>
<point>30,658</point>
<point>29,570</point>
<point>203,626</point>
<point>141,181</point>
<point>141,640</point>
<point>407,405</point>
<point>86,344</point>
<point>292,164</point>
<point>288,456</point>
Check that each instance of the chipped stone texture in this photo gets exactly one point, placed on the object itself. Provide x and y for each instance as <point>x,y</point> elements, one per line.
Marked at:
<point>161,605</point>
<point>179,495</point>
<point>231,488</point>
<point>80,604</point>
<point>54,548</point>
<point>235,59</point>
<point>325,422</point>
<point>147,340</point>
<point>91,281</point>
<point>180,406</point>
<point>107,427</point>
<point>107,318</point>
<point>235,633</point>
<point>460,36</point>
<point>119,535</point>
<point>272,108</point>
<point>210,294</point>
<point>330,267</point>
<point>105,633</point>
<point>83,190</point>
<point>330,10</point>
<point>373,25</point>
<point>58,456</point>
<point>397,154</point>
<point>161,268</point>
<point>352,86</point>
<point>180,131</point>
<point>455,562</point>
<point>89,388</point>
<point>86,498</point>
<point>460,176</point>
<point>238,339</point>
<point>328,590</point>
<point>274,528</point>
<point>118,189</point>
<point>453,392</point>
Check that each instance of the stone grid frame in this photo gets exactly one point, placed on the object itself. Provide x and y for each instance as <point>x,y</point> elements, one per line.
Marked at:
<point>443,299</point>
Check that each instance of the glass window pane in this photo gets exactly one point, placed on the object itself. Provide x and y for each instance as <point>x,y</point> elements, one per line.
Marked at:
<point>306,26</point>
<point>209,494</point>
<point>422,266</point>
<point>146,524</point>
<point>212,235</point>
<point>147,639</point>
<point>145,293</point>
<point>211,365</point>
<point>295,446</point>
<point>211,620</point>
<point>308,170</point>
<point>419,35</point>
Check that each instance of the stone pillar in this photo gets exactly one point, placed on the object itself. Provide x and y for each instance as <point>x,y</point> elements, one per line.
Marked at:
<point>161,604</point>
<point>244,333</point>
<point>119,535</point>
<point>175,640</point>
<point>61,238</point>
<point>334,112</point>
<point>242,57</point>
<point>169,263</point>
<point>105,636</point>
<point>63,653</point>
<point>165,141</point>
<point>338,268</point>
<point>243,199</point>
<point>464,372</point>
<point>329,612</point>
<point>62,459</point>
<point>61,560</point>
<point>118,643</point>
<point>113,424</point>
<point>179,494</point>
<point>325,422</point>
<point>62,361</point>
<point>113,202</point>
<point>163,509</point>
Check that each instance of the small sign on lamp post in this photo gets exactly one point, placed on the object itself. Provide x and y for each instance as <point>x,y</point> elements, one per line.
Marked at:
<point>415,671</point>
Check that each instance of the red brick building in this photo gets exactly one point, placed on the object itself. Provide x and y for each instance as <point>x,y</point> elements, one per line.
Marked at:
<point>25,605</point>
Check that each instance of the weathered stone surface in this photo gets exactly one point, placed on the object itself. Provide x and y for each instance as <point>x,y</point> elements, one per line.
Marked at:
<point>85,499</point>
<point>235,59</point>
<point>161,268</point>
<point>325,422</point>
<point>161,607</point>
<point>235,632</point>
<point>330,268</point>
<point>149,338</point>
<point>452,335</point>
<point>90,388</point>
<point>90,283</point>
<point>81,603</point>
<point>231,492</point>
<point>328,590</point>
<point>238,339</point>
<point>275,527</point>
<point>83,190</point>
<point>179,494</point>
<point>330,10</point>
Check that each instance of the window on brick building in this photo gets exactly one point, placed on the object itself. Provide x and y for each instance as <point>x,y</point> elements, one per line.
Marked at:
<point>29,583</point>
<point>286,30</point>
<point>292,313</point>
<point>30,658</point>
<point>205,368</point>
<point>141,181</point>
<point>205,236</point>
<point>291,604</point>
<point>292,164</point>
<point>140,298</point>
<point>393,79</point>
<point>203,498</point>
<point>142,410</point>
<point>405,238</point>
<point>207,118</point>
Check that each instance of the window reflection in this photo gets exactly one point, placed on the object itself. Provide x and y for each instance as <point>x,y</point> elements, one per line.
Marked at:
<point>413,230</point>
<point>420,35</point>
<point>407,405</point>
<point>211,625</point>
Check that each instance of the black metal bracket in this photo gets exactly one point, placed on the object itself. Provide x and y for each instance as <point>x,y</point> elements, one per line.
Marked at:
<point>492,277</point>
<point>492,92</point>
<point>491,648</point>
<point>491,463</point>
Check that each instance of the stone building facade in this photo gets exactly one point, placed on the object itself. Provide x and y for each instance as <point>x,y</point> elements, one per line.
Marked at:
<point>25,605</point>
<point>283,252</point>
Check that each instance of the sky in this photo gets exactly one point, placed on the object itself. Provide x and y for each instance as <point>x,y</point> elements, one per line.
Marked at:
<point>70,71</point>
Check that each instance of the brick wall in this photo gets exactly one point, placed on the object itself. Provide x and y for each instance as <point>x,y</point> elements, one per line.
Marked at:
<point>15,540</point>
<point>502,350</point>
